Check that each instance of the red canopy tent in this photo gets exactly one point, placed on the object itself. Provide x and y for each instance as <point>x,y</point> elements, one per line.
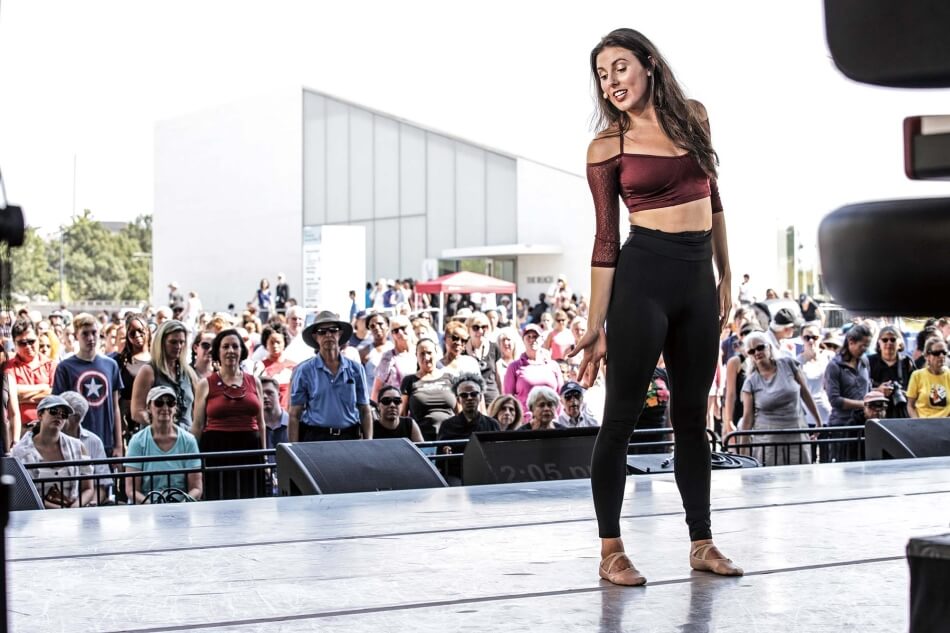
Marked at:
<point>465,283</point>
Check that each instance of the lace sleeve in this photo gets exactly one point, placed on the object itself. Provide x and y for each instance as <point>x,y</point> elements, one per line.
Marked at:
<point>714,195</point>
<point>605,189</point>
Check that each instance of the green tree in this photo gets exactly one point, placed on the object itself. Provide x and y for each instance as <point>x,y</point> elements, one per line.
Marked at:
<point>136,239</point>
<point>95,263</point>
<point>98,264</point>
<point>32,274</point>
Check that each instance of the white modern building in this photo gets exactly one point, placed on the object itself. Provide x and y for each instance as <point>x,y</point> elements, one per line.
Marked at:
<point>239,188</point>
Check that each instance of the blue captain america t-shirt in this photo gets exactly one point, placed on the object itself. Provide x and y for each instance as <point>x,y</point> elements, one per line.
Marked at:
<point>96,380</point>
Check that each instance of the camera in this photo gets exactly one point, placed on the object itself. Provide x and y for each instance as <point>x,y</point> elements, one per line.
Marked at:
<point>898,397</point>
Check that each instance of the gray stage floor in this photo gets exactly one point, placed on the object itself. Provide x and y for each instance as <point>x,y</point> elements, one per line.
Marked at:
<point>823,548</point>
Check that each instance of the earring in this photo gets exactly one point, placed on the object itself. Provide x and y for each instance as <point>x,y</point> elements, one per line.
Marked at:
<point>649,73</point>
<point>605,95</point>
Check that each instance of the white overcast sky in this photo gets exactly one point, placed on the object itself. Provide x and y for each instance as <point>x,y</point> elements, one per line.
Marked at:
<point>90,79</point>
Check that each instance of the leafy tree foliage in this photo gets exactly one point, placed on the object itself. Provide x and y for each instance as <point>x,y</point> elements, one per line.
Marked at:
<point>32,275</point>
<point>137,241</point>
<point>97,263</point>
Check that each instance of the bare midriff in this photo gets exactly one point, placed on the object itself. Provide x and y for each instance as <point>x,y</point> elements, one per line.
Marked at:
<point>689,216</point>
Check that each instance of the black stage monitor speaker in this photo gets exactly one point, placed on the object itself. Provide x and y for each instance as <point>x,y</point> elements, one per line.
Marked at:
<point>929,561</point>
<point>896,43</point>
<point>850,241</point>
<point>24,495</point>
<point>323,468</point>
<point>906,438</point>
<point>508,457</point>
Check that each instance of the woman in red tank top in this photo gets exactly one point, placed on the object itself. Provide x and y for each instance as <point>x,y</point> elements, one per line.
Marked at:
<point>229,416</point>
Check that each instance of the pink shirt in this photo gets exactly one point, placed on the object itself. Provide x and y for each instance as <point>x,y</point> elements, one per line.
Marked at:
<point>561,343</point>
<point>523,375</point>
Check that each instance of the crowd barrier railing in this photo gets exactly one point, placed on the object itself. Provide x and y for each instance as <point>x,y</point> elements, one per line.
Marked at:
<point>111,489</point>
<point>782,447</point>
<point>257,467</point>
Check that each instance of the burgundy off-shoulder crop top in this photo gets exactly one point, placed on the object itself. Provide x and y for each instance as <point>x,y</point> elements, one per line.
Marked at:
<point>644,181</point>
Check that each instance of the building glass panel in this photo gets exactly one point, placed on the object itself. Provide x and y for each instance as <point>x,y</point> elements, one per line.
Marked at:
<point>314,158</point>
<point>386,167</point>
<point>440,193</point>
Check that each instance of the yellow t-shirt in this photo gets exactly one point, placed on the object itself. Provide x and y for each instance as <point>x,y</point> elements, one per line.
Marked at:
<point>931,393</point>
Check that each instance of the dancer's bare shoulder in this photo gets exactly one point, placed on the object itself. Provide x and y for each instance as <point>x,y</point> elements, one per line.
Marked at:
<point>604,146</point>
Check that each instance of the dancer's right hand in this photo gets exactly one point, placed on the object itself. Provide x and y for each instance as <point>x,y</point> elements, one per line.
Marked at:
<point>594,346</point>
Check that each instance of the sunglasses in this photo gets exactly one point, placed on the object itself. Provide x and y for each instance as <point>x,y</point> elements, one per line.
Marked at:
<point>478,328</point>
<point>830,346</point>
<point>562,320</point>
<point>809,337</point>
<point>24,342</point>
<point>757,348</point>
<point>205,345</point>
<point>166,402</point>
<point>888,340</point>
<point>59,412</point>
<point>572,396</point>
<point>389,401</point>
<point>401,329</point>
<point>323,331</point>
<point>938,352</point>
<point>469,395</point>
<point>456,338</point>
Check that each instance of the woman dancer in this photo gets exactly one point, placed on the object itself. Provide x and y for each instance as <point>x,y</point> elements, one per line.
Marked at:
<point>654,150</point>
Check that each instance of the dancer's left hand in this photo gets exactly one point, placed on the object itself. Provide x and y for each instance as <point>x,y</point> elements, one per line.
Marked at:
<point>725,301</point>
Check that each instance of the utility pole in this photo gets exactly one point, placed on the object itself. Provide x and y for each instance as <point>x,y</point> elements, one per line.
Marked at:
<point>74,187</point>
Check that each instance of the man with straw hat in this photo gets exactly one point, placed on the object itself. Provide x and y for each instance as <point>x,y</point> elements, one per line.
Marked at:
<point>329,398</point>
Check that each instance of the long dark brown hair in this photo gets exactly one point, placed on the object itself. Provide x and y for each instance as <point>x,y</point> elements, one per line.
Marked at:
<point>678,118</point>
<point>126,355</point>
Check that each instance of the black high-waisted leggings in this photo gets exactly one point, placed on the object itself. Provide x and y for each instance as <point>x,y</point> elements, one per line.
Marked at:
<point>663,299</point>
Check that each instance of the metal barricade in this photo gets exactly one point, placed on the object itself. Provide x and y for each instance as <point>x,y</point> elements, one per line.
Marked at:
<point>782,447</point>
<point>249,474</point>
<point>115,487</point>
<point>643,441</point>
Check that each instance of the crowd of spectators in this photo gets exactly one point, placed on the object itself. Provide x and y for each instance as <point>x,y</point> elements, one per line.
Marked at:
<point>794,373</point>
<point>178,380</point>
